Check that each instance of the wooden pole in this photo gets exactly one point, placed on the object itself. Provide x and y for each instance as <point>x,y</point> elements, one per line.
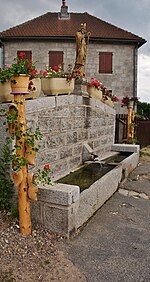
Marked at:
<point>129,124</point>
<point>130,130</point>
<point>23,199</point>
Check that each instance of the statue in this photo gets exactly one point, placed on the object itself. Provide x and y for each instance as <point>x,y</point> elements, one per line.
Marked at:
<point>81,48</point>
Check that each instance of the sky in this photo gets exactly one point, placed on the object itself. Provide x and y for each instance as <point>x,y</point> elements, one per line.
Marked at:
<point>130,15</point>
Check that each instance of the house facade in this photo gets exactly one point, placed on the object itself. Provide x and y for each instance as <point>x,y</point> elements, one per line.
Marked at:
<point>50,40</point>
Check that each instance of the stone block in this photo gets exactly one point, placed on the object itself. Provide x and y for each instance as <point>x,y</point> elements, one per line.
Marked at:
<point>125,148</point>
<point>71,138</point>
<point>97,194</point>
<point>60,194</point>
<point>61,220</point>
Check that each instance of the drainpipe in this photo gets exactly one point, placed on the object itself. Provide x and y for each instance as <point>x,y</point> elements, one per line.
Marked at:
<point>135,71</point>
<point>2,53</point>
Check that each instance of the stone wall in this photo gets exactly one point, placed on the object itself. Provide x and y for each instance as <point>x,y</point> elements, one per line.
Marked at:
<point>121,81</point>
<point>67,122</point>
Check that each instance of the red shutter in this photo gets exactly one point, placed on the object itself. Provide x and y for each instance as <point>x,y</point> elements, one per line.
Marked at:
<point>28,54</point>
<point>105,62</point>
<point>55,58</point>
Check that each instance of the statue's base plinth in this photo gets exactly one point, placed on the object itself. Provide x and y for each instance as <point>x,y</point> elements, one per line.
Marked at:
<point>80,88</point>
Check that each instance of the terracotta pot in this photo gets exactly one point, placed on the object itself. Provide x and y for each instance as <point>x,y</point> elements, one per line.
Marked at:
<point>21,85</point>
<point>5,90</point>
<point>55,86</point>
<point>94,92</point>
<point>34,94</point>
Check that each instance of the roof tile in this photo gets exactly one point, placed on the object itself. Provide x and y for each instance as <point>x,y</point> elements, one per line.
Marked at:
<point>49,25</point>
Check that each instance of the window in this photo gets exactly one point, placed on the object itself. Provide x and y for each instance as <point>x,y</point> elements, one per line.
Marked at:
<point>28,54</point>
<point>55,58</point>
<point>105,62</point>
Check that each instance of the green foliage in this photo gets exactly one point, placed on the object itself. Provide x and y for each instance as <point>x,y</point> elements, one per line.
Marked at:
<point>143,110</point>
<point>43,177</point>
<point>6,184</point>
<point>32,138</point>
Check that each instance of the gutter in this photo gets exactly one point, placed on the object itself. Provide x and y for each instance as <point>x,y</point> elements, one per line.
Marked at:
<point>72,38</point>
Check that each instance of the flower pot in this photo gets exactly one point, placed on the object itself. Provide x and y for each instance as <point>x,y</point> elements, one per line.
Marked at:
<point>30,155</point>
<point>55,86</point>
<point>34,94</point>
<point>21,85</point>
<point>109,102</point>
<point>5,90</point>
<point>130,104</point>
<point>94,92</point>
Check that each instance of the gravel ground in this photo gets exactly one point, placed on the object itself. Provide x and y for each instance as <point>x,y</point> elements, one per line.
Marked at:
<point>32,258</point>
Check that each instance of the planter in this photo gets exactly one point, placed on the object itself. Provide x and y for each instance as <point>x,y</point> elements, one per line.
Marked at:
<point>55,86</point>
<point>130,104</point>
<point>5,90</point>
<point>34,94</point>
<point>109,102</point>
<point>21,85</point>
<point>94,92</point>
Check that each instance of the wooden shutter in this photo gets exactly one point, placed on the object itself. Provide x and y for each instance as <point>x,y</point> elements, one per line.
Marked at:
<point>105,62</point>
<point>28,54</point>
<point>55,58</point>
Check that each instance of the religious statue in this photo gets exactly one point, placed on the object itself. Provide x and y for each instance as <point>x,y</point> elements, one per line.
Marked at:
<point>82,39</point>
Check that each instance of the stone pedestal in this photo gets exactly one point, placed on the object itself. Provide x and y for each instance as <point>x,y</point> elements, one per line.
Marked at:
<point>81,88</point>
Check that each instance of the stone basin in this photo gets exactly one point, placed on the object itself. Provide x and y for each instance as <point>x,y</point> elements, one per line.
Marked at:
<point>63,208</point>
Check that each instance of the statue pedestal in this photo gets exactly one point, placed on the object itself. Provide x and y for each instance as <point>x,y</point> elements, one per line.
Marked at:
<point>80,88</point>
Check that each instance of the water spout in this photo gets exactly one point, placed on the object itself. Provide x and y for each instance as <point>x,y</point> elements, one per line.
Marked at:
<point>88,154</point>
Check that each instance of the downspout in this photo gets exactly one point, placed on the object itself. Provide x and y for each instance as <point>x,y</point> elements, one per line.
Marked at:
<point>2,53</point>
<point>135,71</point>
<point>135,67</point>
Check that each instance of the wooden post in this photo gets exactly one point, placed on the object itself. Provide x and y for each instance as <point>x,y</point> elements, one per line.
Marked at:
<point>130,131</point>
<point>23,199</point>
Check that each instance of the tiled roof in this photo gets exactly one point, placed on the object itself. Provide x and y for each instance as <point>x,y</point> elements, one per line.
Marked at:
<point>49,25</point>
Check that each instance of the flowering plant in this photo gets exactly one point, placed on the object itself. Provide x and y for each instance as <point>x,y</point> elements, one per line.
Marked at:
<point>57,71</point>
<point>126,99</point>
<point>5,74</point>
<point>43,177</point>
<point>96,83</point>
<point>77,75</point>
<point>108,93</point>
<point>23,66</point>
<point>105,92</point>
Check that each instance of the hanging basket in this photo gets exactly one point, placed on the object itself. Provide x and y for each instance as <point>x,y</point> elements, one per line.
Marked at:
<point>21,85</point>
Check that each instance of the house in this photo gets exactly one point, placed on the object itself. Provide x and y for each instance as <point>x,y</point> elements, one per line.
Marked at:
<point>50,39</point>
